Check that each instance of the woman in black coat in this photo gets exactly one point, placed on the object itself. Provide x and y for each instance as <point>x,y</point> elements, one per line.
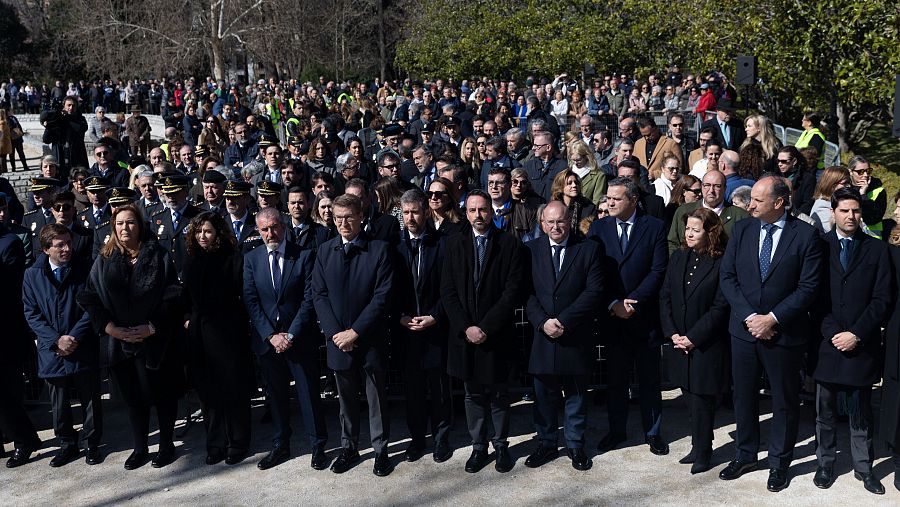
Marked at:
<point>132,296</point>
<point>694,316</point>
<point>220,366</point>
<point>890,384</point>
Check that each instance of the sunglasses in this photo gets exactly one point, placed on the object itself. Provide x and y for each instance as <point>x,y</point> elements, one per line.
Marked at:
<point>436,194</point>
<point>695,191</point>
<point>391,166</point>
<point>62,207</point>
<point>859,171</point>
<point>785,160</point>
<point>101,153</point>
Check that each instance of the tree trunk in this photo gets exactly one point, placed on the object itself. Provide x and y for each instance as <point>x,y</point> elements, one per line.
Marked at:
<point>843,122</point>
<point>382,53</point>
<point>218,59</point>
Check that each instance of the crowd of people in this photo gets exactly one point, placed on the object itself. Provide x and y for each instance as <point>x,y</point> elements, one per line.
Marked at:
<point>402,225</point>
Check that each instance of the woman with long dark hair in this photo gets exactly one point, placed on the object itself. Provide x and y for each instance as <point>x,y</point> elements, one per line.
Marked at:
<point>219,360</point>
<point>694,317</point>
<point>132,296</point>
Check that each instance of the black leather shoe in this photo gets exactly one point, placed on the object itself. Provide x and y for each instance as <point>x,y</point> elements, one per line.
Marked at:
<point>896,480</point>
<point>19,457</point>
<point>870,482</point>
<point>580,460</point>
<point>824,477</point>
<point>414,452</point>
<point>736,469</point>
<point>442,453</point>
<point>477,461</point>
<point>383,466</point>
<point>688,458</point>
<point>701,462</point>
<point>503,461</point>
<point>137,460</point>
<point>657,445</point>
<point>235,457</point>
<point>319,460</point>
<point>778,480</point>
<point>65,456</point>
<point>610,442</point>
<point>93,456</point>
<point>215,457</point>
<point>542,455</point>
<point>345,460</point>
<point>165,456</point>
<point>276,456</point>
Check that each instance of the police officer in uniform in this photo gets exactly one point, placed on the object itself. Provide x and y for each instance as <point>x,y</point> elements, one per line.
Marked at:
<point>239,216</point>
<point>43,190</point>
<point>98,212</point>
<point>268,194</point>
<point>25,235</point>
<point>118,196</point>
<point>213,189</point>
<point>170,224</point>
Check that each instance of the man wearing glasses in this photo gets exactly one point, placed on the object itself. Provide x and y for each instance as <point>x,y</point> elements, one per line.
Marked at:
<point>678,133</point>
<point>510,215</point>
<point>82,238</point>
<point>242,151</point>
<point>713,189</point>
<point>545,164</point>
<point>874,202</point>
<point>106,167</point>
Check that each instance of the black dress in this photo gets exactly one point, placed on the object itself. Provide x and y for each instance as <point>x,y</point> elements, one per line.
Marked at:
<point>219,357</point>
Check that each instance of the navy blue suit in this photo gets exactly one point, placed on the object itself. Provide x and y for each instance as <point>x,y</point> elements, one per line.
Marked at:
<point>424,352</point>
<point>564,363</point>
<point>352,290</point>
<point>788,291</point>
<point>288,310</point>
<point>637,273</point>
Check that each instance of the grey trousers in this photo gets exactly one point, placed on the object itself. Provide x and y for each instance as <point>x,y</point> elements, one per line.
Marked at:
<point>485,401</point>
<point>87,386</point>
<point>859,402</point>
<point>348,383</point>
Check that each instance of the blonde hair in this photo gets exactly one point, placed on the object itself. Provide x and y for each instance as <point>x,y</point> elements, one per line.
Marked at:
<point>770,144</point>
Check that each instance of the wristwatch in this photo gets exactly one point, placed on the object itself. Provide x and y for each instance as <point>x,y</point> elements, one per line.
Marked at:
<point>289,337</point>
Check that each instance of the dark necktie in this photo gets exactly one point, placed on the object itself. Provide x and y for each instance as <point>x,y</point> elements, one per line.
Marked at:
<point>765,255</point>
<point>348,247</point>
<point>414,259</point>
<point>176,217</point>
<point>846,252</point>
<point>557,258</point>
<point>48,215</point>
<point>623,237</point>
<point>236,226</point>
<point>480,249</point>
<point>59,273</point>
<point>276,272</point>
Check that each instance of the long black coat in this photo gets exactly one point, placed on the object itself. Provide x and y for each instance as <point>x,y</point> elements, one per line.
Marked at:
<point>695,307</point>
<point>859,301</point>
<point>218,340</point>
<point>427,348</point>
<point>12,268</point>
<point>490,305</point>
<point>573,297</point>
<point>889,428</point>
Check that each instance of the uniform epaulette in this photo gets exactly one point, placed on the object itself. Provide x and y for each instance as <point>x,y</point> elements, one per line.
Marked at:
<point>252,238</point>
<point>30,212</point>
<point>104,224</point>
<point>159,212</point>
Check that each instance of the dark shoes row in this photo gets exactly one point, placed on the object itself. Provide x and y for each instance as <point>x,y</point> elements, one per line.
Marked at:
<point>21,456</point>
<point>823,479</point>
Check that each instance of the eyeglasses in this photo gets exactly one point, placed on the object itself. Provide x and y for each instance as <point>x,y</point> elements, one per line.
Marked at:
<point>695,191</point>
<point>785,161</point>
<point>62,207</point>
<point>673,168</point>
<point>603,211</point>
<point>480,144</point>
<point>390,166</point>
<point>492,184</point>
<point>539,146</point>
<point>677,125</point>
<point>436,194</point>
<point>519,183</point>
<point>713,185</point>
<point>344,219</point>
<point>860,172</point>
<point>101,153</point>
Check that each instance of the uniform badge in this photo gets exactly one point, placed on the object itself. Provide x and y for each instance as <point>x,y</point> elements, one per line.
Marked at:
<point>106,239</point>
<point>33,226</point>
<point>161,229</point>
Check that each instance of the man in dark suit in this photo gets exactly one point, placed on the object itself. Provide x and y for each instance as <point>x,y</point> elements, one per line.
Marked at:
<point>213,193</point>
<point>422,329</point>
<point>14,422</point>
<point>98,212</point>
<point>82,238</point>
<point>729,130</point>
<point>377,225</point>
<point>770,275</point>
<point>278,296</point>
<point>713,189</point>
<point>107,167</point>
<point>354,322</point>
<point>239,217</point>
<point>567,287</point>
<point>635,263</point>
<point>149,202</point>
<point>170,223</point>
<point>68,348</point>
<point>545,164</point>
<point>648,204</point>
<point>307,234</point>
<point>43,190</point>
<point>481,286</point>
<point>856,305</point>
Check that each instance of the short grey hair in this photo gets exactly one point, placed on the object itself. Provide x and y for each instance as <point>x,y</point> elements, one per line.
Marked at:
<point>741,193</point>
<point>143,171</point>
<point>341,161</point>
<point>631,188</point>
<point>621,141</point>
<point>513,134</point>
<point>414,196</point>
<point>269,213</point>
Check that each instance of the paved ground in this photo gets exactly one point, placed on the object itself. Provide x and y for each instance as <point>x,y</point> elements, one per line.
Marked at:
<point>628,476</point>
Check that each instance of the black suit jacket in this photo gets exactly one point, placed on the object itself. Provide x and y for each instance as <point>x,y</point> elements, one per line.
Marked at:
<point>82,242</point>
<point>383,227</point>
<point>856,300</point>
<point>290,310</point>
<point>541,180</point>
<point>353,291</point>
<point>311,237</point>
<point>652,204</point>
<point>573,297</point>
<point>489,303</point>
<point>694,306</point>
<point>791,284</point>
<point>635,274</point>
<point>737,132</point>
<point>12,270</point>
<point>411,297</point>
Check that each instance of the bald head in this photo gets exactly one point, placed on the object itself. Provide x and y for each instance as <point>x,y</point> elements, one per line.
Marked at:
<point>729,161</point>
<point>713,189</point>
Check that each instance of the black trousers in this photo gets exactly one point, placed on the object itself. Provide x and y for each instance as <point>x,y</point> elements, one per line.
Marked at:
<point>18,148</point>
<point>420,409</point>
<point>702,409</point>
<point>14,422</point>
<point>622,358</point>
<point>348,384</point>
<point>87,385</point>
<point>859,403</point>
<point>227,423</point>
<point>782,367</point>
<point>142,388</point>
<point>487,403</point>
<point>278,371</point>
